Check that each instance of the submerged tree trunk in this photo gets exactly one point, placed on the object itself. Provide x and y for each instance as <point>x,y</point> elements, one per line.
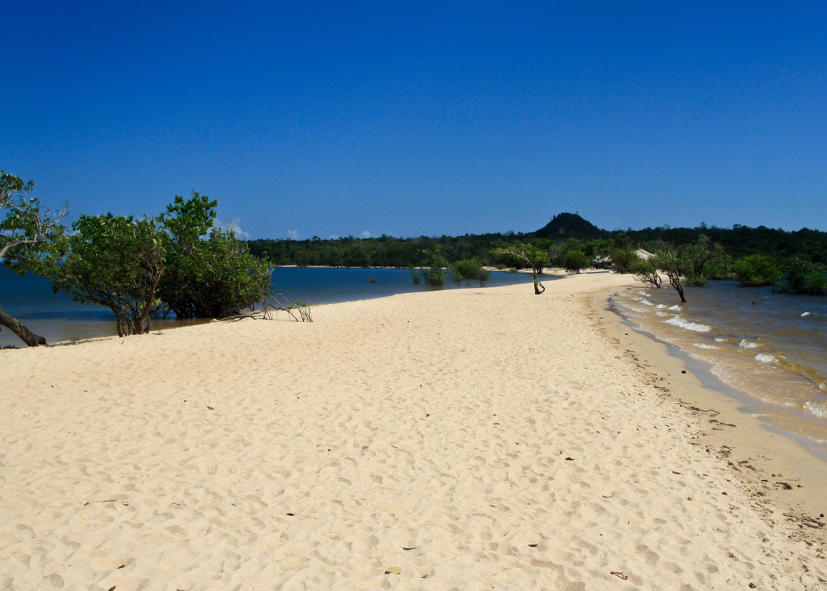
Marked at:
<point>27,336</point>
<point>675,281</point>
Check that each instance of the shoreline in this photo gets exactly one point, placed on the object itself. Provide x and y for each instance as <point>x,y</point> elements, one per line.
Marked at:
<point>464,439</point>
<point>761,457</point>
<point>80,330</point>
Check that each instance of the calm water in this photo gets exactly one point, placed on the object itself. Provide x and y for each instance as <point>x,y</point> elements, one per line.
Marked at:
<point>772,347</point>
<point>58,318</point>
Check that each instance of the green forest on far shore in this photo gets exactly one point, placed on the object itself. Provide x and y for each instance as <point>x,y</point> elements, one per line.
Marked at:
<point>566,232</point>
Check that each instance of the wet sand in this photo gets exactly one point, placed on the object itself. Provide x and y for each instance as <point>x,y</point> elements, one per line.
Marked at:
<point>466,439</point>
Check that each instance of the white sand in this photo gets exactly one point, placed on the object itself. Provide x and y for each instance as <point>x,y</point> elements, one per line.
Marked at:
<point>473,439</point>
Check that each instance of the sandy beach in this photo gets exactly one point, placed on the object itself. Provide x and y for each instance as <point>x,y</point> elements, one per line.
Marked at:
<point>462,439</point>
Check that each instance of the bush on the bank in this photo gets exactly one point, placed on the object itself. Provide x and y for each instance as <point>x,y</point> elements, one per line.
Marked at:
<point>646,271</point>
<point>802,276</point>
<point>112,261</point>
<point>435,273</point>
<point>756,270</point>
<point>209,273</point>
<point>574,260</point>
<point>624,259</point>
<point>467,268</point>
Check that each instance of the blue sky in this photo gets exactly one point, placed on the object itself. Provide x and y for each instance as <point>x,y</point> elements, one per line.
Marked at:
<point>422,118</point>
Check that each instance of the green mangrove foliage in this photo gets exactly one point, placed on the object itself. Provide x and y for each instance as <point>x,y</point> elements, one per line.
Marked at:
<point>24,231</point>
<point>435,271</point>
<point>112,261</point>
<point>756,270</point>
<point>802,276</point>
<point>179,262</point>
<point>574,261</point>
<point>210,273</point>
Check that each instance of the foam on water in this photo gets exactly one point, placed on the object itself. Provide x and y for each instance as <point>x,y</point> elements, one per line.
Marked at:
<point>687,324</point>
<point>773,353</point>
<point>819,409</point>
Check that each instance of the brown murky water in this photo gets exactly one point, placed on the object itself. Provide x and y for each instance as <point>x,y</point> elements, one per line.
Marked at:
<point>771,347</point>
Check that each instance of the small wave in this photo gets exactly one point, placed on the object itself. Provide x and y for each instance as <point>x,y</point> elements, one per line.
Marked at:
<point>659,306</point>
<point>636,309</point>
<point>745,344</point>
<point>806,314</point>
<point>705,346</point>
<point>675,307</point>
<point>819,409</point>
<point>688,325</point>
<point>720,340</point>
<point>766,358</point>
<point>661,314</point>
<point>644,294</point>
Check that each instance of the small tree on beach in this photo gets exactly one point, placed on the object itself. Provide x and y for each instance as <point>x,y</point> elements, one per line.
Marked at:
<point>527,256</point>
<point>668,261</point>
<point>574,260</point>
<point>24,231</point>
<point>624,259</point>
<point>647,272</point>
<point>209,272</point>
<point>111,261</point>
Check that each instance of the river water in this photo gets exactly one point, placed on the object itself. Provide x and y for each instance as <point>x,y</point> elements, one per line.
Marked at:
<point>57,318</point>
<point>770,347</point>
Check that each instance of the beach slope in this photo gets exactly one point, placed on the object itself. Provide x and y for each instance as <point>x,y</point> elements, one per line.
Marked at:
<point>462,439</point>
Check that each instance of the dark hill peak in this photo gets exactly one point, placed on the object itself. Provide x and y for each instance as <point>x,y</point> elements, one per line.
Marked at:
<point>569,225</point>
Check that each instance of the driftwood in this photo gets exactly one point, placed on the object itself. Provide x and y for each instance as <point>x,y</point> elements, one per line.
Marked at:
<point>269,307</point>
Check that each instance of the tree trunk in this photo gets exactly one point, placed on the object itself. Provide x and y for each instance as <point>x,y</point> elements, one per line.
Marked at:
<point>538,287</point>
<point>675,281</point>
<point>27,336</point>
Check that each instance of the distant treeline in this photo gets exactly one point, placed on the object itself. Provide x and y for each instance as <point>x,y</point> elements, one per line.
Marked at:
<point>566,232</point>
<point>384,251</point>
<point>741,241</point>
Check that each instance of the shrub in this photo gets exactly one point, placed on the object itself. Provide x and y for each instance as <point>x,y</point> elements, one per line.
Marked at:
<point>468,268</point>
<point>756,270</point>
<point>484,276</point>
<point>624,259</point>
<point>646,271</point>
<point>435,273</point>
<point>802,276</point>
<point>207,278</point>
<point>574,260</point>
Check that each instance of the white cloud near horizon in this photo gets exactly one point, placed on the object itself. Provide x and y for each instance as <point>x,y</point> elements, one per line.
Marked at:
<point>293,234</point>
<point>235,225</point>
<point>365,234</point>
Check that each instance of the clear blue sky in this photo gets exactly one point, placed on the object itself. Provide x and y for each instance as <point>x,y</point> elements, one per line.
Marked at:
<point>422,118</point>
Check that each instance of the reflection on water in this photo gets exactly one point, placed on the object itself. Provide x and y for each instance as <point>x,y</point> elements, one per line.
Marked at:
<point>58,318</point>
<point>769,346</point>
